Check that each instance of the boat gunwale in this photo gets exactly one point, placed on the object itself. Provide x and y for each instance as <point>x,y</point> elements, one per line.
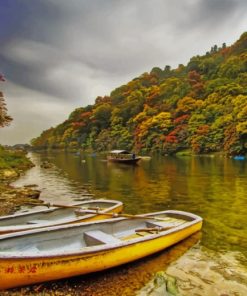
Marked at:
<point>98,248</point>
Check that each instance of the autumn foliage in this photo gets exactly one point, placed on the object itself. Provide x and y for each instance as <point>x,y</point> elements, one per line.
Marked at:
<point>201,106</point>
<point>5,119</point>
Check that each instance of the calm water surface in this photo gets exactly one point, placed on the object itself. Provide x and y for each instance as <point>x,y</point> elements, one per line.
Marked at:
<point>212,187</point>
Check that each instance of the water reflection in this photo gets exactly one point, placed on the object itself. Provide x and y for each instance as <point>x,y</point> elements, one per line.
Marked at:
<point>55,183</point>
<point>214,188</point>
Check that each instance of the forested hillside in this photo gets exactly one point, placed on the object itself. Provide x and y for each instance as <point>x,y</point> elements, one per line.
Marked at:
<point>201,107</point>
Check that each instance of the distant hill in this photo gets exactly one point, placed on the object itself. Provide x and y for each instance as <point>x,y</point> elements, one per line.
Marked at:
<point>201,106</point>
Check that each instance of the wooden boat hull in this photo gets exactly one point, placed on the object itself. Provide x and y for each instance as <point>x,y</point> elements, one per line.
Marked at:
<point>17,223</point>
<point>127,161</point>
<point>29,270</point>
<point>123,156</point>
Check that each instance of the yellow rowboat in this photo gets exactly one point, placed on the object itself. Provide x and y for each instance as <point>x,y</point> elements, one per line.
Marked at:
<point>65,251</point>
<point>60,215</point>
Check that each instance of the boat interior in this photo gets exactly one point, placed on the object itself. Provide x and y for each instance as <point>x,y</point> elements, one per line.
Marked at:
<point>54,214</point>
<point>82,237</point>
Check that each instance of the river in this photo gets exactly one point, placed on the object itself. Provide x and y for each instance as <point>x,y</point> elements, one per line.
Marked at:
<point>213,262</point>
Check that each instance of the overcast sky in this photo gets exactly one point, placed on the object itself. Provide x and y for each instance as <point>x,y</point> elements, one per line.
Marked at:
<point>58,55</point>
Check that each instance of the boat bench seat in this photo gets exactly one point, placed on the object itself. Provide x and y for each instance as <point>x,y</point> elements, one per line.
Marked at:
<point>98,237</point>
<point>38,221</point>
<point>163,224</point>
<point>155,224</point>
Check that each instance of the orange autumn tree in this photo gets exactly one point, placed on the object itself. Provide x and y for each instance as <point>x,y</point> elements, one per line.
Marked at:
<point>152,130</point>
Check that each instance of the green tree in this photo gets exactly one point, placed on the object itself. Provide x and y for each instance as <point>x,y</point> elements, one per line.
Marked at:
<point>102,115</point>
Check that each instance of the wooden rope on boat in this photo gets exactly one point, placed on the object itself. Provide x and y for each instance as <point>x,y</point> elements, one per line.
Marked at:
<point>81,211</point>
<point>52,205</point>
<point>98,211</point>
<point>153,229</point>
<point>157,229</point>
<point>63,206</point>
<point>115,215</point>
<point>66,206</point>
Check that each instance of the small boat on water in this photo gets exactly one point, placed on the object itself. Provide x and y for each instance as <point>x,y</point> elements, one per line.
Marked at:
<point>59,215</point>
<point>239,157</point>
<point>123,156</point>
<point>64,251</point>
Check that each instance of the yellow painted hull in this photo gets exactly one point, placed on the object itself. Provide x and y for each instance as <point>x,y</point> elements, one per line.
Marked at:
<point>19,272</point>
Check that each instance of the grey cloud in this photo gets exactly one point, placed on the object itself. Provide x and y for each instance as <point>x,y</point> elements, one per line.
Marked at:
<point>207,16</point>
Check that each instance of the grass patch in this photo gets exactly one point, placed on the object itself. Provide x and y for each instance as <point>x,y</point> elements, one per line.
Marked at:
<point>13,159</point>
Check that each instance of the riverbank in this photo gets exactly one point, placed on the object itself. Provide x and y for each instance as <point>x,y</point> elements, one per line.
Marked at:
<point>12,165</point>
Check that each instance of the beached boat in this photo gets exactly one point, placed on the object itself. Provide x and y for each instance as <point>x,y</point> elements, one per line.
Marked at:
<point>64,251</point>
<point>59,215</point>
<point>123,156</point>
